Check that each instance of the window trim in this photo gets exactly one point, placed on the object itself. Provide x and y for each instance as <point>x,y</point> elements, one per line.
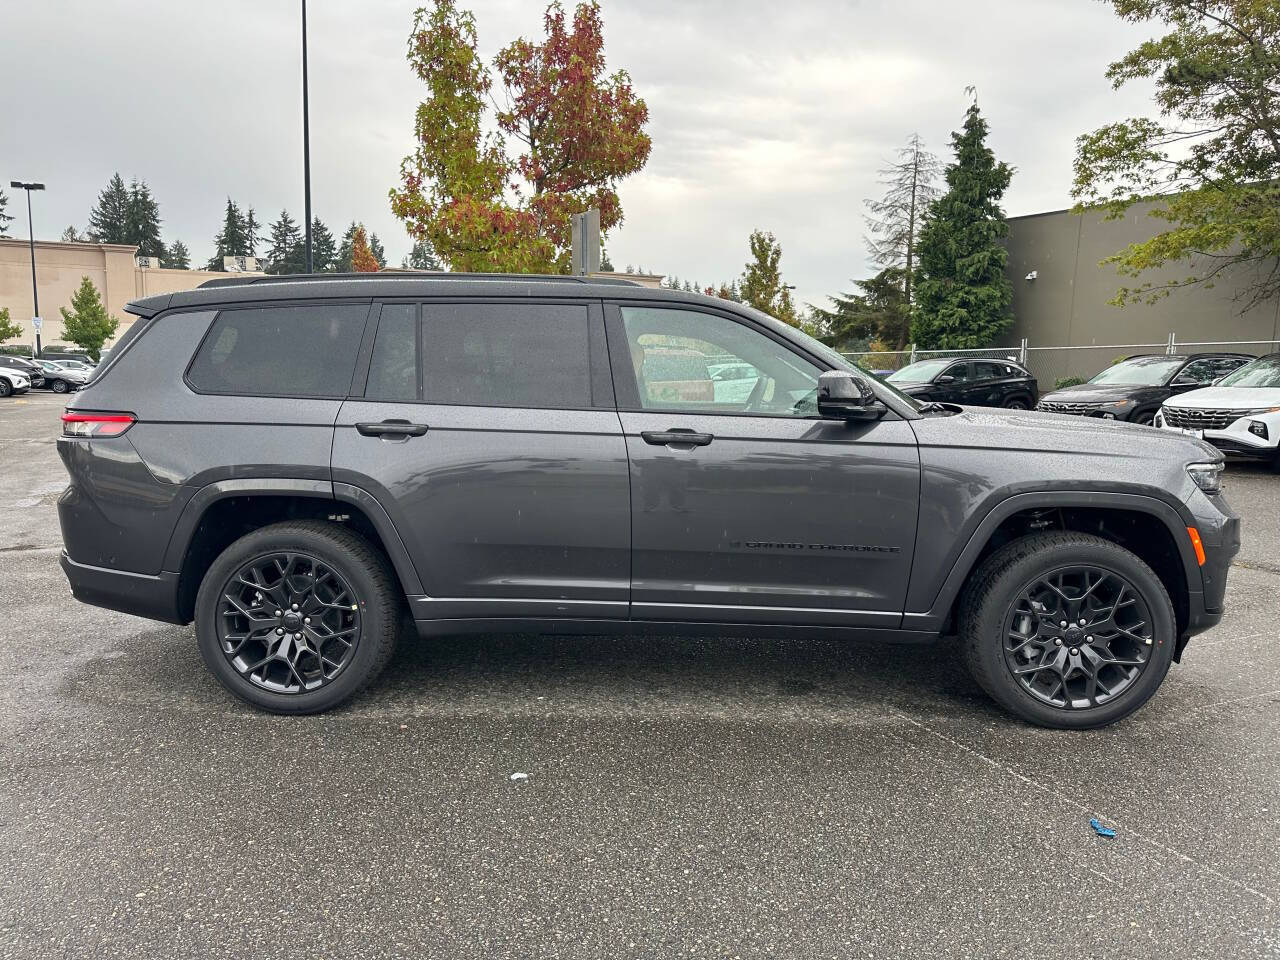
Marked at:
<point>218,311</point>
<point>597,350</point>
<point>624,382</point>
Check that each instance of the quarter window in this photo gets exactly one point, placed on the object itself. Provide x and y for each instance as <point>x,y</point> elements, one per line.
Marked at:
<point>307,351</point>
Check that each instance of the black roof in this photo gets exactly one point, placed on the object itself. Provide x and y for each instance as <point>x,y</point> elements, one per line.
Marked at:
<point>239,289</point>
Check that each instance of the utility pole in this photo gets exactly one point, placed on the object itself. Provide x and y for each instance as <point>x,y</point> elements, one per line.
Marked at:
<point>306,140</point>
<point>31,235</point>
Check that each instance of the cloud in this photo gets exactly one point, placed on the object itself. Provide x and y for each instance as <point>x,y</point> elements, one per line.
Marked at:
<point>762,114</point>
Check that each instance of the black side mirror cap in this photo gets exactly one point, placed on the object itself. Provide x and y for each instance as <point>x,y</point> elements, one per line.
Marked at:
<point>842,396</point>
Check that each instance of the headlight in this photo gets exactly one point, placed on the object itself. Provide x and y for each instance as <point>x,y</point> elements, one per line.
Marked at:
<point>1208,476</point>
<point>1120,404</point>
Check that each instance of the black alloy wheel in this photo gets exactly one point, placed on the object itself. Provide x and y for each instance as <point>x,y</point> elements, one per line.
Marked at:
<point>1077,637</point>
<point>288,622</point>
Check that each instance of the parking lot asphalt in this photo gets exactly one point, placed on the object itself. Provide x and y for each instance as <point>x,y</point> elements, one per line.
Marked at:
<point>741,798</point>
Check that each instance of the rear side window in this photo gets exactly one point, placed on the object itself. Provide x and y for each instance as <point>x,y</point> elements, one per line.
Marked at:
<point>305,351</point>
<point>484,354</point>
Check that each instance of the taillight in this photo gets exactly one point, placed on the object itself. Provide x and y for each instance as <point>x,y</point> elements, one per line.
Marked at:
<point>96,424</point>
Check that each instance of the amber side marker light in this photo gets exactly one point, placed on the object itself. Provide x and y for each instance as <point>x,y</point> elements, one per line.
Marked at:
<point>96,424</point>
<point>1194,534</point>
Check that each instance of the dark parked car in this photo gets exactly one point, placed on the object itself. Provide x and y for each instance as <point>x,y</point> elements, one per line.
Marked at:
<point>61,379</point>
<point>47,354</point>
<point>28,368</point>
<point>1133,389</point>
<point>301,465</point>
<point>978,383</point>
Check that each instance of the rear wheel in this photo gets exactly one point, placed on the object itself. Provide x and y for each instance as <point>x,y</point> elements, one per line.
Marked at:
<point>59,386</point>
<point>298,616</point>
<point>1067,630</point>
<point>1017,403</point>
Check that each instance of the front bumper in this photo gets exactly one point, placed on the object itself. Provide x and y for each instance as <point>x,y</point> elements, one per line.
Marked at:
<point>1219,529</point>
<point>1236,439</point>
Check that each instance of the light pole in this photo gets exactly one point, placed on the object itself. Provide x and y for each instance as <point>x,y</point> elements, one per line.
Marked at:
<point>306,141</point>
<point>31,234</point>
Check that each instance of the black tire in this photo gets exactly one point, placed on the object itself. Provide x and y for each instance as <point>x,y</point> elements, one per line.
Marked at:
<point>355,561</point>
<point>1017,403</point>
<point>6,388</point>
<point>58,386</point>
<point>996,586</point>
<point>1144,417</point>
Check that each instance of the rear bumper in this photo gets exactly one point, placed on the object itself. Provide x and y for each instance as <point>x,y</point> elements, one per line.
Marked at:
<point>143,595</point>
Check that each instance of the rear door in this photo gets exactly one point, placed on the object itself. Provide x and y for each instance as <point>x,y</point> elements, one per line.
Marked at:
<point>747,507</point>
<point>488,432</point>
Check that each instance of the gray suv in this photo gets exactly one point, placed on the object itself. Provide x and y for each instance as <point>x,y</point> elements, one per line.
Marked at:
<point>304,466</point>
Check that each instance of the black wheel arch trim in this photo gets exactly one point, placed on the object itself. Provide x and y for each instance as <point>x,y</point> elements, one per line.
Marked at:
<point>206,496</point>
<point>1175,518</point>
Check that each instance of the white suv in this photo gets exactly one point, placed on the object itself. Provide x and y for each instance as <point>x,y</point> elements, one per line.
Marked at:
<point>1240,414</point>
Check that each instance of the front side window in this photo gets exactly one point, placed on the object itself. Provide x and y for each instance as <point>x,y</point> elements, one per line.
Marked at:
<point>695,362</point>
<point>393,368</point>
<point>306,351</point>
<point>1200,371</point>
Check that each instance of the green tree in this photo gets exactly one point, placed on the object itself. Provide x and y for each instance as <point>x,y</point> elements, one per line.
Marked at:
<point>342,261</point>
<point>762,285</point>
<point>324,250</point>
<point>579,131</point>
<point>962,295</point>
<point>5,216</point>
<point>878,313</point>
<point>421,257</point>
<point>252,233</point>
<point>375,247</point>
<point>231,240</point>
<point>109,218</point>
<point>8,329</point>
<point>1211,162</point>
<point>287,253</point>
<point>142,221</point>
<point>894,222</point>
<point>71,235</point>
<point>179,256</point>
<point>87,324</point>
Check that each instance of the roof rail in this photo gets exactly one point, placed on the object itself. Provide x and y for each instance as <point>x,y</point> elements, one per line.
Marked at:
<point>235,280</point>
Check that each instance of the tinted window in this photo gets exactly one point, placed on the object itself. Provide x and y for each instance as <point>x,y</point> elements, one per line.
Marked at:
<point>1199,371</point>
<point>699,362</point>
<point>508,355</point>
<point>960,372</point>
<point>393,368</point>
<point>988,371</point>
<point>281,351</point>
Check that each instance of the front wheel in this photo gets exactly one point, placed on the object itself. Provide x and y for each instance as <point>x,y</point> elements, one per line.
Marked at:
<point>1067,630</point>
<point>1016,403</point>
<point>59,386</point>
<point>297,616</point>
<point>6,388</point>
<point>1146,418</point>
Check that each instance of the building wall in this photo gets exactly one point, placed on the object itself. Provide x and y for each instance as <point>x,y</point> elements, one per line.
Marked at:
<point>1066,305</point>
<point>59,270</point>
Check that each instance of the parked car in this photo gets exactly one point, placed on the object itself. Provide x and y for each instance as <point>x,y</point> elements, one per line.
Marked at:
<point>80,365</point>
<point>28,368</point>
<point>13,382</point>
<point>61,379</point>
<point>1240,415</point>
<point>254,459</point>
<point>1134,388</point>
<point>58,355</point>
<point>979,383</point>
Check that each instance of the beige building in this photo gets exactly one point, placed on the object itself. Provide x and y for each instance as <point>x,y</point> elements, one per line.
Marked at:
<point>60,267</point>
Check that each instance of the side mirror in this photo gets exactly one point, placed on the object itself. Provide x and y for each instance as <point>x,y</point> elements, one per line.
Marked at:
<point>945,378</point>
<point>842,396</point>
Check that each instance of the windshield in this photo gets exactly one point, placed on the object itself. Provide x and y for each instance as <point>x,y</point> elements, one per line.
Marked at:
<point>1263,372</point>
<point>834,357</point>
<point>1141,371</point>
<point>922,371</point>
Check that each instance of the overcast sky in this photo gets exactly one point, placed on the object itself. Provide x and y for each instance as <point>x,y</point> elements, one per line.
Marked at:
<point>762,114</point>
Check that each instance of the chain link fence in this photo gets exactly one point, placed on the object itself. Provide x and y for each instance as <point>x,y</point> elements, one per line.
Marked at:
<point>1054,365</point>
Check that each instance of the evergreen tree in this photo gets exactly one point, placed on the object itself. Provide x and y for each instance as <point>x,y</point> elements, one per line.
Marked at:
<point>8,329</point>
<point>179,256</point>
<point>342,260</point>
<point>109,219</point>
<point>252,233</point>
<point>894,223</point>
<point>762,285</point>
<point>230,240</point>
<point>4,216</point>
<point>879,313</point>
<point>375,247</point>
<point>288,250</point>
<point>962,294</point>
<point>87,324</point>
<point>605,265</point>
<point>142,221</point>
<point>421,257</point>
<point>70,235</point>
<point>324,250</point>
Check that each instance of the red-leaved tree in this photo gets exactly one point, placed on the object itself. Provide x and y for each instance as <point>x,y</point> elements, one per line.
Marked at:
<point>362,258</point>
<point>581,131</point>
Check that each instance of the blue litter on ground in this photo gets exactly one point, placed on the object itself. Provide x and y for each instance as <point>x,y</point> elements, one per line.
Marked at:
<point>1100,829</point>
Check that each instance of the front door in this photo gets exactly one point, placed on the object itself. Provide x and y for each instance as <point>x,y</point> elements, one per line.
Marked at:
<point>488,432</point>
<point>747,507</point>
